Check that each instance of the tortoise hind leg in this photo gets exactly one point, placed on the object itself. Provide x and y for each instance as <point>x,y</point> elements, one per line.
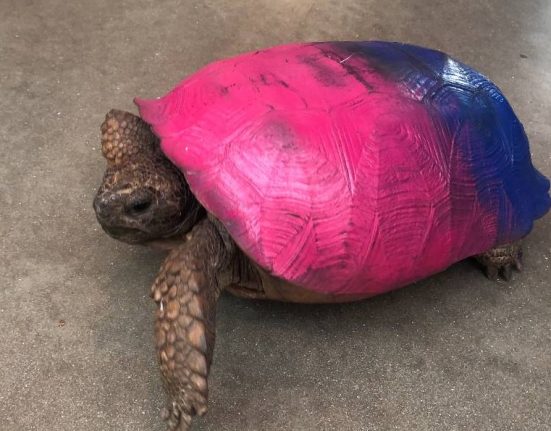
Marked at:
<point>500,261</point>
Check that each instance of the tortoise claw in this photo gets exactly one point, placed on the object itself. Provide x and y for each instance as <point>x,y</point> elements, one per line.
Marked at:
<point>518,262</point>
<point>173,421</point>
<point>507,272</point>
<point>492,272</point>
<point>500,261</point>
<point>176,420</point>
<point>165,414</point>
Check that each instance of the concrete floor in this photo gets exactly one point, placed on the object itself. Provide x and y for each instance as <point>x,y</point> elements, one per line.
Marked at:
<point>455,352</point>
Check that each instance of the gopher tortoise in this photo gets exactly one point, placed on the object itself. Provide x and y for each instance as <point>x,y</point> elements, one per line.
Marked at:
<point>315,172</point>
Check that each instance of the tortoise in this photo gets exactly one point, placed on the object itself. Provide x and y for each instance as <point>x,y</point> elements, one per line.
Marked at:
<point>313,172</point>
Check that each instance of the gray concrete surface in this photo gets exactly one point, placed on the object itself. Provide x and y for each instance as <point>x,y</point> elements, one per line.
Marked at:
<point>455,352</point>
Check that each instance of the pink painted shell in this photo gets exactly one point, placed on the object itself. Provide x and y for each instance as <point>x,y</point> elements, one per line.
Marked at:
<point>352,167</point>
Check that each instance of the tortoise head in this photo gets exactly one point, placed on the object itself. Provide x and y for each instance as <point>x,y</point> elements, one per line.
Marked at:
<point>143,196</point>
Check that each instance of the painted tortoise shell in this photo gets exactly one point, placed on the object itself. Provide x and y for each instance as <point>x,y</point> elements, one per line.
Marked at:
<point>352,167</point>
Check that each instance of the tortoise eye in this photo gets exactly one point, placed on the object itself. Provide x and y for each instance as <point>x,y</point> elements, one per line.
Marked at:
<point>139,203</point>
<point>139,207</point>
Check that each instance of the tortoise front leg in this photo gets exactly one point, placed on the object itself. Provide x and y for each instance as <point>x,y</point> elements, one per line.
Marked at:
<point>186,291</point>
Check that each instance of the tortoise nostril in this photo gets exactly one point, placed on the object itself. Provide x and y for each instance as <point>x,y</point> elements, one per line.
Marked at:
<point>101,205</point>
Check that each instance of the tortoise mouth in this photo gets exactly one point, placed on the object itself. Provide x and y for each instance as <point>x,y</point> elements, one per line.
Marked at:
<point>127,234</point>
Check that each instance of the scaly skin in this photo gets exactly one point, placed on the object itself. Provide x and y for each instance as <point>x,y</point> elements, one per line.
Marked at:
<point>143,197</point>
<point>186,291</point>
<point>500,261</point>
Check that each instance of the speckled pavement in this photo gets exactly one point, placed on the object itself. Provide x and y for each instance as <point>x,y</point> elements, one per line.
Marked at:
<point>454,352</point>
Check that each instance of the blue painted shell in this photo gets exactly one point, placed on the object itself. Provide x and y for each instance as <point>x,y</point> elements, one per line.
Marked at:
<point>486,131</point>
